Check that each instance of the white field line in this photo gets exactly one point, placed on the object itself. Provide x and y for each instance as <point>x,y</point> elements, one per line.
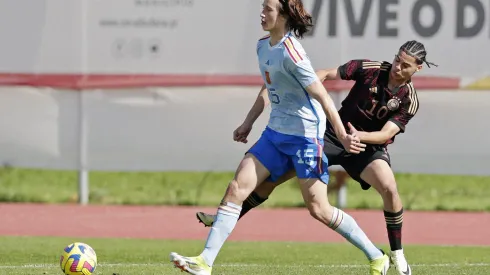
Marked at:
<point>347,266</point>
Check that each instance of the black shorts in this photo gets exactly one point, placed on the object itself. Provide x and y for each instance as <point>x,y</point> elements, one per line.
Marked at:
<point>353,164</point>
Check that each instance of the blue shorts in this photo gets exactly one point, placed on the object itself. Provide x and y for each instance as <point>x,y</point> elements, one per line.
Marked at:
<point>280,153</point>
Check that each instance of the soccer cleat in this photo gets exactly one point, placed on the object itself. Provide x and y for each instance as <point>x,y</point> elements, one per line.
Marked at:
<point>192,265</point>
<point>206,219</point>
<point>380,265</point>
<point>398,260</point>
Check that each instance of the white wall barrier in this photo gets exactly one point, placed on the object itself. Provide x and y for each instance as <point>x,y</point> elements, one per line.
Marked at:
<point>198,37</point>
<point>157,129</point>
<point>93,45</point>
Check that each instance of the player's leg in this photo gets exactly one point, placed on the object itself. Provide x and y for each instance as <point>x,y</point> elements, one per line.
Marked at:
<point>311,166</point>
<point>379,175</point>
<point>332,148</point>
<point>255,167</point>
<point>313,191</point>
<point>256,198</point>
<point>249,173</point>
<point>262,192</point>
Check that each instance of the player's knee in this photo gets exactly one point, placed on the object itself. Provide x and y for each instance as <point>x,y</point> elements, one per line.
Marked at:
<point>388,189</point>
<point>236,192</point>
<point>315,211</point>
<point>320,212</point>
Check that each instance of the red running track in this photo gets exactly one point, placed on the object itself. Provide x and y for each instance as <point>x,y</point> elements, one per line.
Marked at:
<point>437,228</point>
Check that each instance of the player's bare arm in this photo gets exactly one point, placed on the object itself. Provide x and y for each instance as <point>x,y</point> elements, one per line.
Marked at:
<point>350,143</point>
<point>259,106</point>
<point>241,133</point>
<point>388,131</point>
<point>328,74</point>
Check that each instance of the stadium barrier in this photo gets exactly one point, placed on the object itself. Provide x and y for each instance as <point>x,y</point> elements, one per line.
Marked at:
<point>132,123</point>
<point>160,85</point>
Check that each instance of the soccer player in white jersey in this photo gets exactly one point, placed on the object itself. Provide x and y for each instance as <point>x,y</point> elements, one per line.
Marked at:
<point>293,139</point>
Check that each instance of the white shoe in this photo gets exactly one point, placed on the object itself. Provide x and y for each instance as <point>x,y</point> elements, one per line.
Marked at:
<point>398,260</point>
<point>206,219</point>
<point>192,265</point>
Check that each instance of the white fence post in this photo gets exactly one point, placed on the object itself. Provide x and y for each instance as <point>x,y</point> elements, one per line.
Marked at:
<point>83,181</point>
<point>342,196</point>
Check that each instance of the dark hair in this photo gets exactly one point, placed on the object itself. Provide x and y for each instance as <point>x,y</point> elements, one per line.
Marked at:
<point>416,50</point>
<point>299,21</point>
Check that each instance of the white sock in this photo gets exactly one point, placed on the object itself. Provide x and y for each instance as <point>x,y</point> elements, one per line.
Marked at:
<point>346,226</point>
<point>223,225</point>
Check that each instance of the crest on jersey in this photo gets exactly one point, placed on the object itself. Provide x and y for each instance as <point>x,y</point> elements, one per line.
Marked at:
<point>393,104</point>
<point>268,77</point>
<point>374,89</point>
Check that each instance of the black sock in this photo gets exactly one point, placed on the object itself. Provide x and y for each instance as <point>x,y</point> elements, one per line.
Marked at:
<point>394,223</point>
<point>252,201</point>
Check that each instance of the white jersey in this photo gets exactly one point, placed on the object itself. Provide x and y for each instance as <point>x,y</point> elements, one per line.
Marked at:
<point>287,71</point>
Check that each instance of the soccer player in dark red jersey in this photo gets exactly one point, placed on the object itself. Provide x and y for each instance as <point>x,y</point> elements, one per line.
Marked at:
<point>378,107</point>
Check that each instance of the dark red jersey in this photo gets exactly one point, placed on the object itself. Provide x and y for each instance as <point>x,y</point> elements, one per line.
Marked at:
<point>370,103</point>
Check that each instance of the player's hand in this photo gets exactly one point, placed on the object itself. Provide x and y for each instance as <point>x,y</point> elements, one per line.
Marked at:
<point>352,130</point>
<point>351,142</point>
<point>241,133</point>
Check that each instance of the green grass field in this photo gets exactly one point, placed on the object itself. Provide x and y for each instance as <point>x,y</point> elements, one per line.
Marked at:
<point>40,255</point>
<point>419,192</point>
